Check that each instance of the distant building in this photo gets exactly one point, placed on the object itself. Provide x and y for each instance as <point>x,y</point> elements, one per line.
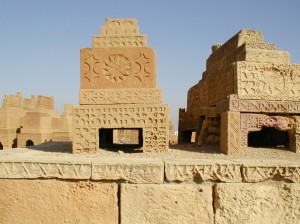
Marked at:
<point>25,122</point>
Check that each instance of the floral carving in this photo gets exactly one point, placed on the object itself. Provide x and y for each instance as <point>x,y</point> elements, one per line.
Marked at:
<point>117,68</point>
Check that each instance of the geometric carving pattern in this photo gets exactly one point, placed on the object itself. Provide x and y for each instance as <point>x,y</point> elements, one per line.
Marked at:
<point>123,41</point>
<point>117,68</point>
<point>22,169</point>
<point>202,171</point>
<point>133,171</point>
<point>120,33</point>
<point>230,132</point>
<point>268,81</point>
<point>120,96</point>
<point>256,173</point>
<point>268,106</point>
<point>153,119</point>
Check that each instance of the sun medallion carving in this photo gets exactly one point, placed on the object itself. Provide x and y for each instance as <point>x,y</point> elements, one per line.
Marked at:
<point>117,68</point>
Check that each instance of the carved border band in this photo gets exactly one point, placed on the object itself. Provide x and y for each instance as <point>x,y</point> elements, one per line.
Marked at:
<point>24,169</point>
<point>122,96</point>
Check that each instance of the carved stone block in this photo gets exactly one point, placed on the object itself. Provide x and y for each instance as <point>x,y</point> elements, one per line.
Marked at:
<point>31,169</point>
<point>268,81</point>
<point>202,170</point>
<point>132,170</point>
<point>233,103</point>
<point>121,96</point>
<point>153,119</point>
<point>110,68</point>
<point>255,122</point>
<point>230,139</point>
<point>149,203</point>
<point>276,171</point>
<point>120,33</point>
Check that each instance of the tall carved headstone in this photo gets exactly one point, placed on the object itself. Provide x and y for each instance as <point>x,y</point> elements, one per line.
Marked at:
<point>254,91</point>
<point>118,91</point>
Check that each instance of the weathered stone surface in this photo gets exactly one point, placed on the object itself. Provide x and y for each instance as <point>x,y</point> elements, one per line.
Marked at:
<point>131,170</point>
<point>53,201</point>
<point>166,204</point>
<point>255,171</point>
<point>34,169</point>
<point>274,84</point>
<point>257,203</point>
<point>202,170</point>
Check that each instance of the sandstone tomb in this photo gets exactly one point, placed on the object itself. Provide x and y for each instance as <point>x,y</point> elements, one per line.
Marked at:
<point>118,91</point>
<point>249,95</point>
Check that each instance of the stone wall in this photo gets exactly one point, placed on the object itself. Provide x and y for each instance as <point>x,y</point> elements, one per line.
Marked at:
<point>144,190</point>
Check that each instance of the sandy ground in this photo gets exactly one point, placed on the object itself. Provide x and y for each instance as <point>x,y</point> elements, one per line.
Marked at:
<point>185,151</point>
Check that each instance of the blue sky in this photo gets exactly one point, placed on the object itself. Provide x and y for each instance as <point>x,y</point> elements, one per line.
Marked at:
<point>40,40</point>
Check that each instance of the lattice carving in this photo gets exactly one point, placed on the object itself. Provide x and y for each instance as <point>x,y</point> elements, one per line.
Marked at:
<point>122,96</point>
<point>154,119</point>
<point>230,132</point>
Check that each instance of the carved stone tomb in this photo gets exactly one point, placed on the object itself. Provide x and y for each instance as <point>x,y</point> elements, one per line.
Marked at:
<point>249,95</point>
<point>119,100</point>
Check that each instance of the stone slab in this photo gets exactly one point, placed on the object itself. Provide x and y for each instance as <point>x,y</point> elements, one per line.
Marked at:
<point>54,201</point>
<point>131,170</point>
<point>257,203</point>
<point>202,170</point>
<point>264,170</point>
<point>35,167</point>
<point>166,204</point>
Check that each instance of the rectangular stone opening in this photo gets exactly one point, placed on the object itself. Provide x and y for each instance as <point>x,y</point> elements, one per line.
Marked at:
<point>188,136</point>
<point>125,139</point>
<point>268,137</point>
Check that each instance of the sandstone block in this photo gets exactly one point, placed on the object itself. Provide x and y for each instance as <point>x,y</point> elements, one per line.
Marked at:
<point>202,170</point>
<point>131,170</point>
<point>53,201</point>
<point>50,169</point>
<point>272,85</point>
<point>257,203</point>
<point>118,67</point>
<point>230,139</point>
<point>166,204</point>
<point>271,170</point>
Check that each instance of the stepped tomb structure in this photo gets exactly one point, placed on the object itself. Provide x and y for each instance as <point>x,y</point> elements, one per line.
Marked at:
<point>26,122</point>
<point>118,92</point>
<point>249,95</point>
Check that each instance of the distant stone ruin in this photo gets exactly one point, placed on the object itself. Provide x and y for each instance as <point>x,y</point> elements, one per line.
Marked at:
<point>249,95</point>
<point>27,122</point>
<point>118,92</point>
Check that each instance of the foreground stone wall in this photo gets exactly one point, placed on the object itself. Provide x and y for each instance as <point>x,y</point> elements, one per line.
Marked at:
<point>141,190</point>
